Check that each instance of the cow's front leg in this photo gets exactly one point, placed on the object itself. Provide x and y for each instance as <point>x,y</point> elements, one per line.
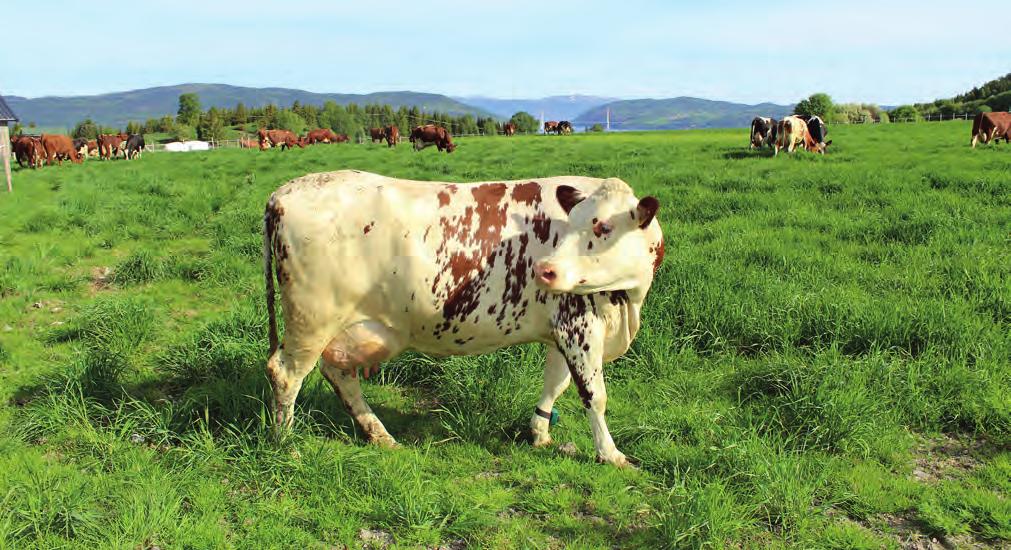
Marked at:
<point>581,342</point>
<point>556,379</point>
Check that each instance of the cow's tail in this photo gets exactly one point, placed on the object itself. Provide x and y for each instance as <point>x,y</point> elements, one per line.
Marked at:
<point>269,225</point>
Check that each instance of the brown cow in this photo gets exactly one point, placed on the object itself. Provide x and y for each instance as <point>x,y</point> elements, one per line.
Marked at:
<point>282,138</point>
<point>246,143</point>
<point>392,136</point>
<point>791,132</point>
<point>28,149</point>
<point>59,147</point>
<point>378,134</point>
<point>111,145</point>
<point>509,129</point>
<point>551,126</point>
<point>93,148</point>
<point>342,138</point>
<point>321,135</point>
<point>987,126</point>
<point>430,134</point>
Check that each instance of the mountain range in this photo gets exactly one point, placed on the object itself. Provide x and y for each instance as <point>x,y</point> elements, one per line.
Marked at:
<point>116,109</point>
<point>677,114</point>
<point>560,107</point>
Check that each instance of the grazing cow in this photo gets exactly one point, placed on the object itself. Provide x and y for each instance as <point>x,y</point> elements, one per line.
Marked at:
<point>430,134</point>
<point>564,127</point>
<point>791,132</point>
<point>761,131</point>
<point>817,128</point>
<point>322,135</point>
<point>378,134</point>
<point>509,129</point>
<point>342,138</point>
<point>93,148</point>
<point>81,146</point>
<point>135,146</point>
<point>392,136</point>
<point>59,147</point>
<point>987,126</point>
<point>112,145</point>
<point>246,143</point>
<point>28,149</point>
<point>551,126</point>
<point>370,266</point>
<point>282,138</point>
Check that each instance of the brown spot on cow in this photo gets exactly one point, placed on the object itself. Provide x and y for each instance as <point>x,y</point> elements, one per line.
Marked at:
<point>527,193</point>
<point>368,228</point>
<point>542,227</point>
<point>443,199</point>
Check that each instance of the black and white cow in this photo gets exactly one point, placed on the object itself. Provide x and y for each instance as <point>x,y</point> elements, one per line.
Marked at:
<point>134,146</point>
<point>762,130</point>
<point>370,266</point>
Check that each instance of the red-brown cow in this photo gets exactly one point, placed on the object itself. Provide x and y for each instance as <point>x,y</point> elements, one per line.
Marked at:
<point>509,129</point>
<point>430,134</point>
<point>59,147</point>
<point>987,126</point>
<point>282,138</point>
<point>321,135</point>
<point>378,134</point>
<point>392,136</point>
<point>28,149</point>
<point>551,127</point>
<point>112,145</point>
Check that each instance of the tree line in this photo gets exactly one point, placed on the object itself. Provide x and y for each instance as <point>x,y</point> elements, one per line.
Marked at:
<point>213,124</point>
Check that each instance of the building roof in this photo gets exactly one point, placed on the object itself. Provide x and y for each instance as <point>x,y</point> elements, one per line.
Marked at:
<point>6,114</point>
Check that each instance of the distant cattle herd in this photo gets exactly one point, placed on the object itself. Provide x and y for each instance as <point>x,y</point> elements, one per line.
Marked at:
<point>34,151</point>
<point>790,133</point>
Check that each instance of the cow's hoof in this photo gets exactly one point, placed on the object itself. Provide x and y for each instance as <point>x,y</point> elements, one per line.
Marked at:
<point>618,459</point>
<point>541,439</point>
<point>385,441</point>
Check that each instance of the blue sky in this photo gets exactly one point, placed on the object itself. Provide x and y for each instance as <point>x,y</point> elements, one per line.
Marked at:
<point>885,52</point>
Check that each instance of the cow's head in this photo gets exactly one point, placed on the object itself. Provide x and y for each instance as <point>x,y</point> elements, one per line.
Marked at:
<point>609,244</point>
<point>450,147</point>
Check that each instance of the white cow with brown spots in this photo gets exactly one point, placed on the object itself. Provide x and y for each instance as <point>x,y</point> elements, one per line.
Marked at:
<point>370,266</point>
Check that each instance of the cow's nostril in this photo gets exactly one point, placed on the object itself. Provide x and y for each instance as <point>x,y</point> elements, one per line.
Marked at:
<point>549,275</point>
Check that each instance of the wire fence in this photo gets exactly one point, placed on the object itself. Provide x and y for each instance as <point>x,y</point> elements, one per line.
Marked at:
<point>251,141</point>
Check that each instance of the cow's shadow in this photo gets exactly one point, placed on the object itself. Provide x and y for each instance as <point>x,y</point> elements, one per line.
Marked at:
<point>740,154</point>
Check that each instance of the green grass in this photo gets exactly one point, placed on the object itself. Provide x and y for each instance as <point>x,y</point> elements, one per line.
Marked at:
<point>819,325</point>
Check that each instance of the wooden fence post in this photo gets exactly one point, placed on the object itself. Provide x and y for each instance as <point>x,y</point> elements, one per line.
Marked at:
<point>5,150</point>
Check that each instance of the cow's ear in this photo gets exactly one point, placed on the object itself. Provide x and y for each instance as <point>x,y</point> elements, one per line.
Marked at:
<point>646,210</point>
<point>568,197</point>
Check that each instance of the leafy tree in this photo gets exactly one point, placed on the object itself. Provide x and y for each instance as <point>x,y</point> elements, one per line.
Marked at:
<point>596,128</point>
<point>133,127</point>
<point>816,105</point>
<point>525,123</point>
<point>905,113</point>
<point>189,109</point>
<point>212,126</point>
<point>466,125</point>
<point>182,132</point>
<point>166,124</point>
<point>86,129</point>
<point>489,126</point>
<point>984,108</point>
<point>18,129</point>
<point>240,115</point>
<point>289,120</point>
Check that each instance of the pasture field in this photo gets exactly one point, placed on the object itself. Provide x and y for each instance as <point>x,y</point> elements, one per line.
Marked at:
<point>823,362</point>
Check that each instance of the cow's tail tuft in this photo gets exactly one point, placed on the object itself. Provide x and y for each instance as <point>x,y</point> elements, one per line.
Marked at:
<point>269,225</point>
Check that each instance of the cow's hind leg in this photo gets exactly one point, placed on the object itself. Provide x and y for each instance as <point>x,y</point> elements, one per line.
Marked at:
<point>556,379</point>
<point>287,369</point>
<point>363,345</point>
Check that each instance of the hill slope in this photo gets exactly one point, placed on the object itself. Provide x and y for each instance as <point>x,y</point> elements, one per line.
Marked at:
<point>678,113</point>
<point>561,107</point>
<point>119,107</point>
